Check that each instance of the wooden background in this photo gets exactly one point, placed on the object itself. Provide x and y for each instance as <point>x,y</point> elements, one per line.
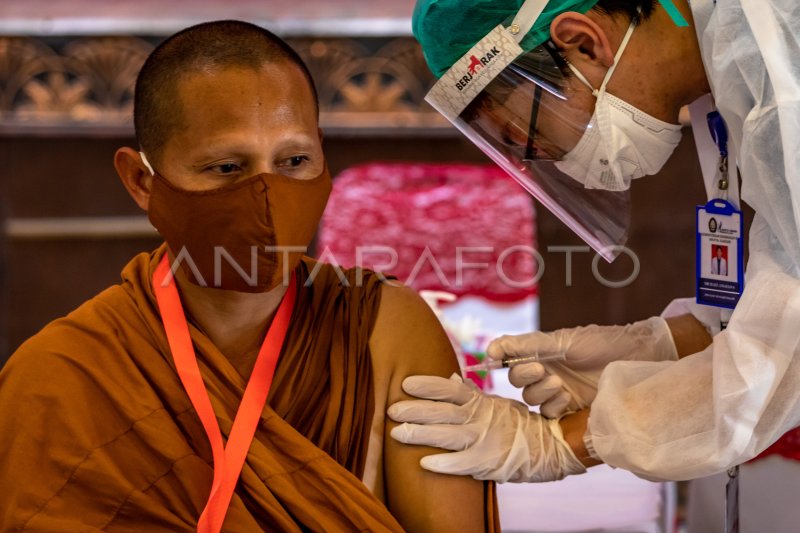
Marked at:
<point>65,104</point>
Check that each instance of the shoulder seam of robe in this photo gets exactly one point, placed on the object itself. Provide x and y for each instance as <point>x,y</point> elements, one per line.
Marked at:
<point>133,491</point>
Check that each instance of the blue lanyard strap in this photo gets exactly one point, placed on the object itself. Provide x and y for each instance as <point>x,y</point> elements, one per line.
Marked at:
<point>719,132</point>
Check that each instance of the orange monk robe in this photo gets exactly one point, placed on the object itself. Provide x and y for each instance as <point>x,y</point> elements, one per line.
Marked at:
<point>97,433</point>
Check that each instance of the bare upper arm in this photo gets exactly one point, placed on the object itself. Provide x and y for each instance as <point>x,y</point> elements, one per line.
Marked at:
<point>408,340</point>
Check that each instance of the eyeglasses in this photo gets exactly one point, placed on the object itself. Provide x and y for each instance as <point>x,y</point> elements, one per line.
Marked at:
<point>531,152</point>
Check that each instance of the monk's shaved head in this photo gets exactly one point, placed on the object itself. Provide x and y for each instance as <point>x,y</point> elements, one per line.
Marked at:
<point>207,47</point>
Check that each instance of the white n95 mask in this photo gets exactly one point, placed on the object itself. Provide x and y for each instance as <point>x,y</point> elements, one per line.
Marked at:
<point>621,142</point>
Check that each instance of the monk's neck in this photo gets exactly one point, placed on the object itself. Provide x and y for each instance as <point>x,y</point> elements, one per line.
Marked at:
<point>236,322</point>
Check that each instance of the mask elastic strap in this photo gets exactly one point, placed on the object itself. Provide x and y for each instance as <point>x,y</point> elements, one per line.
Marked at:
<point>607,78</point>
<point>147,163</point>
<point>618,55</point>
<point>582,78</point>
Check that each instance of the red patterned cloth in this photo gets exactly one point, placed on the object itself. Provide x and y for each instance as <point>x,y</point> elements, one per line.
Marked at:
<point>787,446</point>
<point>426,213</point>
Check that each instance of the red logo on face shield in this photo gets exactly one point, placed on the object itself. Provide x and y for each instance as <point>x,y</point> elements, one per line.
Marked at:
<point>474,65</point>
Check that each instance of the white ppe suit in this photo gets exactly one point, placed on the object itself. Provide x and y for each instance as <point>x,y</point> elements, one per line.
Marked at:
<point>723,406</point>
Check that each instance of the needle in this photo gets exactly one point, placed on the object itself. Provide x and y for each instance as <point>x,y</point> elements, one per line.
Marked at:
<point>491,364</point>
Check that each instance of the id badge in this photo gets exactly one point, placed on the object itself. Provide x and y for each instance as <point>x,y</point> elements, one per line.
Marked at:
<point>720,272</point>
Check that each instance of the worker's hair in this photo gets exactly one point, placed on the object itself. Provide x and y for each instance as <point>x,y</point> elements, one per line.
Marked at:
<point>157,109</point>
<point>628,8</point>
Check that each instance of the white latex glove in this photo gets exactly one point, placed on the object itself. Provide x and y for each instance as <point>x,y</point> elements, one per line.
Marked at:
<point>492,437</point>
<point>568,386</point>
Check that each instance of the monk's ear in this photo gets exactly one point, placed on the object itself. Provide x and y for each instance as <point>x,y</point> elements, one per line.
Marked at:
<point>135,175</point>
<point>581,41</point>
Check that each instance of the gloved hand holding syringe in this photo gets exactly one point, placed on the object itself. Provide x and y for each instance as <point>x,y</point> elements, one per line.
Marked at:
<point>510,362</point>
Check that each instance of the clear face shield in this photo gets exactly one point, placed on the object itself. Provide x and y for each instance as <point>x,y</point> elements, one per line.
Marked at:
<point>531,117</point>
<point>574,147</point>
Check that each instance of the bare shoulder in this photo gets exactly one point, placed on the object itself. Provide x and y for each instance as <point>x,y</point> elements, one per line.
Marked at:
<point>407,338</point>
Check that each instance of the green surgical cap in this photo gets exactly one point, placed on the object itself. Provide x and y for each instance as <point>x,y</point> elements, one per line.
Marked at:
<point>448,29</point>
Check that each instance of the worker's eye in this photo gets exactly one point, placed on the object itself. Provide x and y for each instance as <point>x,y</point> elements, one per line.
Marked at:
<point>508,138</point>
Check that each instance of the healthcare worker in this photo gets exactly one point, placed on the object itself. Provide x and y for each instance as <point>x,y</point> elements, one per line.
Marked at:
<point>575,98</point>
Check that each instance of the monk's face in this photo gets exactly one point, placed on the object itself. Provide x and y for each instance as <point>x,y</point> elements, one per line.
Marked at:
<point>238,122</point>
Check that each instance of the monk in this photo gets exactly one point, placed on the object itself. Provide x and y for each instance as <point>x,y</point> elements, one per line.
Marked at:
<point>97,429</point>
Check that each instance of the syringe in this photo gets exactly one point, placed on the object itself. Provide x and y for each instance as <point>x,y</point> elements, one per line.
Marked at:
<point>490,364</point>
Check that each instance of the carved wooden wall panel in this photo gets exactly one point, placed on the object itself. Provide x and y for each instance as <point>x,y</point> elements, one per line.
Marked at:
<point>86,84</point>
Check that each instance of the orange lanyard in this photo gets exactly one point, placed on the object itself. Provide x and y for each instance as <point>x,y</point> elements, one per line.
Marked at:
<point>228,459</point>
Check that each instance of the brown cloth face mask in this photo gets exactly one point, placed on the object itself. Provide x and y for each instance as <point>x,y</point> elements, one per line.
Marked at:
<point>226,238</point>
